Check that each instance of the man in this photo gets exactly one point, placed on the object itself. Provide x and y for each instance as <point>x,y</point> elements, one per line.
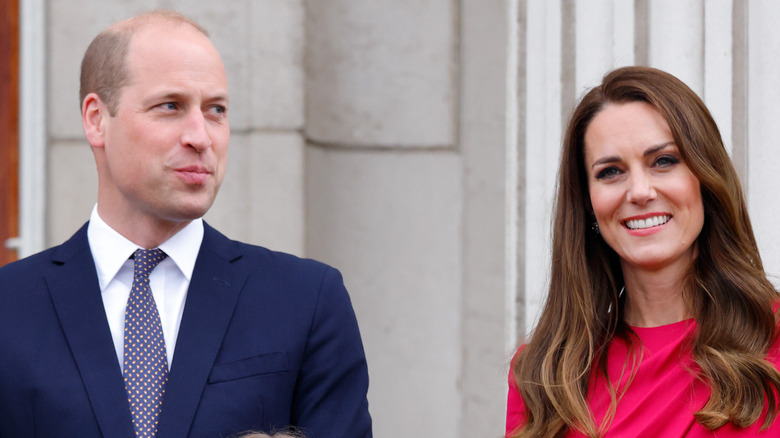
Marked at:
<point>239,337</point>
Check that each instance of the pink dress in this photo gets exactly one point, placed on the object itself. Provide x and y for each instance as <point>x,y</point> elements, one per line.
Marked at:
<point>661,400</point>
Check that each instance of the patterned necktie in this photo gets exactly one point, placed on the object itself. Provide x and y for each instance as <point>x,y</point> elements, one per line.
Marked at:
<point>145,362</point>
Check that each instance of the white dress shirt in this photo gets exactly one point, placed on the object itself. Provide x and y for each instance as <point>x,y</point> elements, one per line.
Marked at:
<point>169,280</point>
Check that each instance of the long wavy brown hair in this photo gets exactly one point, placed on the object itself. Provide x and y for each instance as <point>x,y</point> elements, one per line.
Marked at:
<point>727,290</point>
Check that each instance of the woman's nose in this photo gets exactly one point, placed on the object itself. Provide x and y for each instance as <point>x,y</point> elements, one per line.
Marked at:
<point>640,190</point>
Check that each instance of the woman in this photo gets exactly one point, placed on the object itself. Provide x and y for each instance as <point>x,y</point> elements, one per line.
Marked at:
<point>659,320</point>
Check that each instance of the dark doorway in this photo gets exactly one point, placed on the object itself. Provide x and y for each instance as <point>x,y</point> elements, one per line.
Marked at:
<point>9,127</point>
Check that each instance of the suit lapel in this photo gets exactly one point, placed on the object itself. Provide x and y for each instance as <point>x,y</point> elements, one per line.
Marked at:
<point>211,298</point>
<point>75,294</point>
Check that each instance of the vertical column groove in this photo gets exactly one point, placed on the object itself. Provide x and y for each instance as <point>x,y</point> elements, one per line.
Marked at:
<point>739,90</point>
<point>641,32</point>
<point>568,58</point>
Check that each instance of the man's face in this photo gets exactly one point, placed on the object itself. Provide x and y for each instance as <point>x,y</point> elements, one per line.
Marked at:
<point>166,148</point>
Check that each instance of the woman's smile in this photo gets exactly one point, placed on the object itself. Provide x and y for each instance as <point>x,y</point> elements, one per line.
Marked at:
<point>646,200</point>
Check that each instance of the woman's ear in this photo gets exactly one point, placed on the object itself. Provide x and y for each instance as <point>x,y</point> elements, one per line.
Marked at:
<point>93,116</point>
<point>589,208</point>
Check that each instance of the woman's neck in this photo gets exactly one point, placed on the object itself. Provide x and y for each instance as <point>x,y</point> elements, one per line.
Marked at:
<point>654,298</point>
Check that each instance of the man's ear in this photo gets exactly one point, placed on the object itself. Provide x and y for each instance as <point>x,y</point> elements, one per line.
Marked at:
<point>93,117</point>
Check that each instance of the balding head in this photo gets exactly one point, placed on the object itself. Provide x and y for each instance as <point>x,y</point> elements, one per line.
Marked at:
<point>104,67</point>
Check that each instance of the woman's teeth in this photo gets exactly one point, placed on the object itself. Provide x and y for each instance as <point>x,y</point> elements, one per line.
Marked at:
<point>638,224</point>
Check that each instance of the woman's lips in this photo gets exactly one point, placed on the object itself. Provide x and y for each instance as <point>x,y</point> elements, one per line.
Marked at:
<point>646,224</point>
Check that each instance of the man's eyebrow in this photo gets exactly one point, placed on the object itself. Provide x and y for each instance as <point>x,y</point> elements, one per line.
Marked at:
<point>179,95</point>
<point>217,97</point>
<point>616,159</point>
<point>168,95</point>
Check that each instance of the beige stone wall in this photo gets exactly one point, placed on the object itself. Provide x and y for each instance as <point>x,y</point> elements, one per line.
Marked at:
<point>721,48</point>
<point>406,129</point>
<point>413,144</point>
<point>369,135</point>
<point>261,43</point>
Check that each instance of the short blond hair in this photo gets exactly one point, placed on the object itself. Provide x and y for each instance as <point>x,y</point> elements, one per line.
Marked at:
<point>104,66</point>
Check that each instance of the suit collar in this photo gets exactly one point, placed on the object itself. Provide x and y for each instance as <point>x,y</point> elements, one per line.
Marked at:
<point>217,279</point>
<point>216,282</point>
<point>75,294</point>
<point>73,247</point>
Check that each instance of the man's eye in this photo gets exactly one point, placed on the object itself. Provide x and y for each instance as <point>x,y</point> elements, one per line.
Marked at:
<point>218,110</point>
<point>170,106</point>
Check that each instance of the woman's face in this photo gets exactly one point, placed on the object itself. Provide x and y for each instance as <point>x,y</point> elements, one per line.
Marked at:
<point>646,200</point>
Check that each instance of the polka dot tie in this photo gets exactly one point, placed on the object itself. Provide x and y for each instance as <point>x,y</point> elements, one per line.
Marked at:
<point>145,362</point>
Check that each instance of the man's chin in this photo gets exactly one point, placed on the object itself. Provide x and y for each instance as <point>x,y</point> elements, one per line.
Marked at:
<point>186,213</point>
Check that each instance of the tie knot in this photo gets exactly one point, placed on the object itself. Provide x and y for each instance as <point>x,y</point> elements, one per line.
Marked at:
<point>144,260</point>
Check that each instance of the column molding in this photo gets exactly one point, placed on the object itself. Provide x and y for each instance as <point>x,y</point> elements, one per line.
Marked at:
<point>33,130</point>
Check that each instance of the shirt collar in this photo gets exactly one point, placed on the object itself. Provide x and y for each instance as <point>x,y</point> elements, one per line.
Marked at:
<point>183,247</point>
<point>111,250</point>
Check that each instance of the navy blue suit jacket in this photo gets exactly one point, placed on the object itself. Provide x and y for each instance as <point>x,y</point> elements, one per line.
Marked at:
<point>266,340</point>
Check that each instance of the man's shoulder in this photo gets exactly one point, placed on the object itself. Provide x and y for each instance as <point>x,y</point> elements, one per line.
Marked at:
<point>259,256</point>
<point>31,265</point>
<point>297,281</point>
<point>38,263</point>
<point>281,258</point>
<point>23,280</point>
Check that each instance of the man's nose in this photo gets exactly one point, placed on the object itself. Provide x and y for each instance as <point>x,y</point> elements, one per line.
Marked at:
<point>196,133</point>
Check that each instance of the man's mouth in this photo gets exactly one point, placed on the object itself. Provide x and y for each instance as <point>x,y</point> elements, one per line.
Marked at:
<point>193,174</point>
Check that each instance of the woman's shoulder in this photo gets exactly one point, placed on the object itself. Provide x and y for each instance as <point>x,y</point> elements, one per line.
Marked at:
<point>773,355</point>
<point>515,407</point>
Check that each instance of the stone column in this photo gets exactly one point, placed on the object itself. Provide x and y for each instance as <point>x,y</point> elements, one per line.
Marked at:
<point>384,196</point>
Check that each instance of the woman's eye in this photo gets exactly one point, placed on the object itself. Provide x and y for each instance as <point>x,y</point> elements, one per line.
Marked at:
<point>666,161</point>
<point>607,172</point>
